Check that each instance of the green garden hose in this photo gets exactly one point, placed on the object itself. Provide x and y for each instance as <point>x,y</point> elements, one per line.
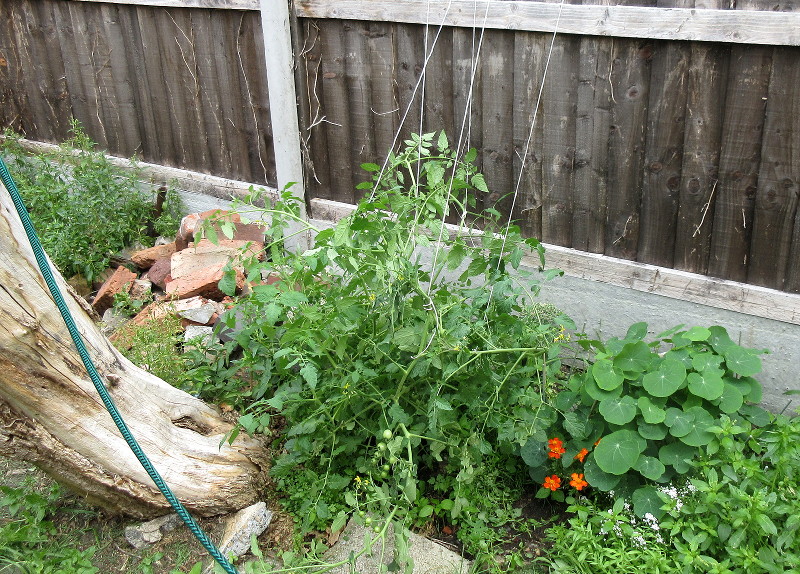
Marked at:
<point>55,292</point>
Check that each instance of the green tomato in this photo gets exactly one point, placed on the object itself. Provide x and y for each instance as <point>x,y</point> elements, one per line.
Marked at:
<point>368,520</point>
<point>384,474</point>
<point>393,459</point>
<point>386,468</point>
<point>376,529</point>
<point>387,434</point>
<point>381,446</point>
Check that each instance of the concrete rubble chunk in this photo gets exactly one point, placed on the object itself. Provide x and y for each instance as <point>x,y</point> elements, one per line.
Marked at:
<point>239,528</point>
<point>120,281</point>
<point>141,288</point>
<point>152,531</point>
<point>145,258</point>
<point>428,557</point>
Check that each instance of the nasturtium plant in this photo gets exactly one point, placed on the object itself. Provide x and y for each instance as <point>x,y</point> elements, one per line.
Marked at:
<point>652,408</point>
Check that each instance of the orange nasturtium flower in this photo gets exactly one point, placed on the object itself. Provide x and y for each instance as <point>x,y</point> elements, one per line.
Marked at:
<point>552,482</point>
<point>577,481</point>
<point>582,455</point>
<point>556,448</point>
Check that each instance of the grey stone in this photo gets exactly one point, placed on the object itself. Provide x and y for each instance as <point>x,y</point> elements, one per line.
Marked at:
<point>427,556</point>
<point>113,320</point>
<point>239,528</point>
<point>200,314</point>
<point>151,532</point>
<point>198,332</point>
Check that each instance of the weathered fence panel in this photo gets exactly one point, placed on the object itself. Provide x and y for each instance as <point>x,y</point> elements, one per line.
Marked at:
<point>177,86</point>
<point>666,132</point>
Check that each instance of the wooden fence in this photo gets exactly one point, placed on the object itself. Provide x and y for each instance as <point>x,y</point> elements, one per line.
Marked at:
<point>665,134</point>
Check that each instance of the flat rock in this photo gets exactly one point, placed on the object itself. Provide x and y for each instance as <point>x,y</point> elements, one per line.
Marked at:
<point>198,332</point>
<point>203,282</point>
<point>428,557</point>
<point>150,532</point>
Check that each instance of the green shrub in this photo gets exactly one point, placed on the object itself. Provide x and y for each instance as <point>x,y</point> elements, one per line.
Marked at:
<point>84,208</point>
<point>365,337</point>
<point>641,412</point>
<point>740,512</point>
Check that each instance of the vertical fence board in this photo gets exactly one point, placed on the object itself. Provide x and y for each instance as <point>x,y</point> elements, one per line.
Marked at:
<point>129,140</point>
<point>630,88</point>
<point>529,57</point>
<point>165,130</point>
<point>13,108</point>
<point>664,148</point>
<point>384,109</point>
<point>779,177</point>
<point>337,110</point>
<point>466,78</point>
<point>313,132</point>
<point>206,53</point>
<point>52,85</point>
<point>438,114</point>
<point>410,57</point>
<point>592,127</point>
<point>28,35</point>
<point>362,126</point>
<point>253,86</point>
<point>497,61</point>
<point>706,96</point>
<point>740,162</point>
<point>558,154</point>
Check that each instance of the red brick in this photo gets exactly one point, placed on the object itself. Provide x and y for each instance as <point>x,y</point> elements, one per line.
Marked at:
<point>202,281</point>
<point>191,223</point>
<point>120,281</point>
<point>145,258</point>
<point>159,272</point>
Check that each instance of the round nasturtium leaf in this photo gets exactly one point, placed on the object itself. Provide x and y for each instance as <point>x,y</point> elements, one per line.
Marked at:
<point>755,391</point>
<point>618,411</point>
<point>698,434</point>
<point>652,432</point>
<point>742,361</point>
<point>647,501</point>
<point>676,454</point>
<point>651,412</point>
<point>678,421</point>
<point>706,385</point>
<point>719,339</point>
<point>598,394</point>
<point>703,361</point>
<point>634,358</point>
<point>666,380</point>
<point>697,334</point>
<point>650,467</point>
<point>606,375</point>
<point>597,478</point>
<point>731,399</point>
<point>619,451</point>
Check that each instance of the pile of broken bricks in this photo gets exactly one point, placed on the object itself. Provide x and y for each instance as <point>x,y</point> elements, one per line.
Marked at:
<point>182,276</point>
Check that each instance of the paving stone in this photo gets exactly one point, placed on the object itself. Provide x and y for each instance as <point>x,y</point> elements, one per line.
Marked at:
<point>120,281</point>
<point>202,333</point>
<point>428,557</point>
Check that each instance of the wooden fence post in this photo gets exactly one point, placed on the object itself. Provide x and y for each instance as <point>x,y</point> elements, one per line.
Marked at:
<point>282,99</point>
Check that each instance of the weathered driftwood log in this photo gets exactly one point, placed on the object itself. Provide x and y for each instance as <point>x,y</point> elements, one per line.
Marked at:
<point>51,415</point>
